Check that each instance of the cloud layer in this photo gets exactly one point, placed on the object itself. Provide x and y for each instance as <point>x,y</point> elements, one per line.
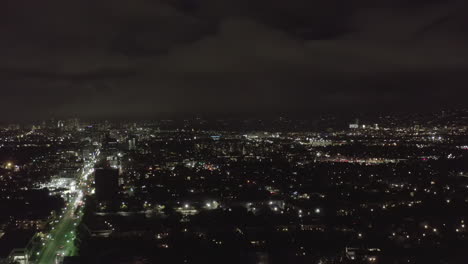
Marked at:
<point>106,58</point>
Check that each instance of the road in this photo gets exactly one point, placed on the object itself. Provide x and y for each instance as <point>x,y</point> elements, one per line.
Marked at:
<point>60,241</point>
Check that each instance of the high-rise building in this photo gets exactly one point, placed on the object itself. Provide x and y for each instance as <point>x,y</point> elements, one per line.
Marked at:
<point>51,123</point>
<point>354,125</point>
<point>72,124</point>
<point>60,124</point>
<point>132,143</point>
<point>107,183</point>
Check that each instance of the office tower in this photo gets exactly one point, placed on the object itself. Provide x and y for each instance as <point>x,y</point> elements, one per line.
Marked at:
<point>107,183</point>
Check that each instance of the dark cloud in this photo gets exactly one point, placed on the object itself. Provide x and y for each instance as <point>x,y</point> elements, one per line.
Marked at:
<point>105,58</point>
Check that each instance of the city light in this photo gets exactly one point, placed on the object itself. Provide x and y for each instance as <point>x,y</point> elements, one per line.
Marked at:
<point>366,193</point>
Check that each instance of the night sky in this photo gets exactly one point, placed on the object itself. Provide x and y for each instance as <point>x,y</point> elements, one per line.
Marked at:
<point>109,58</point>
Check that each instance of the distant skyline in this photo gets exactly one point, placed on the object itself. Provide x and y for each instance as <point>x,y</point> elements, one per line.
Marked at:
<point>111,59</point>
<point>304,120</point>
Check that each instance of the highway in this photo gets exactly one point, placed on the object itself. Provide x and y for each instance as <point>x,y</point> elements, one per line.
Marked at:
<point>60,241</point>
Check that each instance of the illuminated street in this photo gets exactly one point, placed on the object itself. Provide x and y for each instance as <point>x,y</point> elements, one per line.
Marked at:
<point>59,242</point>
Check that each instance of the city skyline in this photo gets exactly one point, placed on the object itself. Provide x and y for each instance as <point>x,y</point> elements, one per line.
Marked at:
<point>390,189</point>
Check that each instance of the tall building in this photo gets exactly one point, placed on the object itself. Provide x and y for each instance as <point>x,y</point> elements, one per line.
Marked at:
<point>60,124</point>
<point>132,143</point>
<point>107,183</point>
<point>354,125</point>
<point>109,143</point>
<point>72,124</point>
<point>51,124</point>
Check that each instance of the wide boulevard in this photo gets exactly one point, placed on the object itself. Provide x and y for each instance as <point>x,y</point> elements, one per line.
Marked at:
<point>60,240</point>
